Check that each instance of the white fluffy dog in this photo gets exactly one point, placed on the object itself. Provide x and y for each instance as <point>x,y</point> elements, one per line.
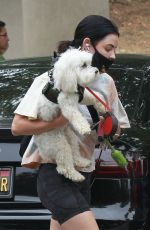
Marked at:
<point>61,145</point>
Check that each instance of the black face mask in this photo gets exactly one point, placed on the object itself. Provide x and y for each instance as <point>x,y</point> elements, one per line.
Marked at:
<point>100,61</point>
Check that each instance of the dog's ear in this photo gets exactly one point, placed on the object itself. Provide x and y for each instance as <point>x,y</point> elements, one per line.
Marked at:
<point>65,79</point>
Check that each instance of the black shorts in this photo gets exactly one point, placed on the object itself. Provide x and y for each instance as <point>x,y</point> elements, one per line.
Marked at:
<point>62,197</point>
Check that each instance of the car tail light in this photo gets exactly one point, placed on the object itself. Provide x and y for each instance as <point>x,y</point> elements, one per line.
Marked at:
<point>138,167</point>
<point>107,169</point>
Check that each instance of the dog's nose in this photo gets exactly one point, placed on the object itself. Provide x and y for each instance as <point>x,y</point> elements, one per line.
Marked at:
<point>96,71</point>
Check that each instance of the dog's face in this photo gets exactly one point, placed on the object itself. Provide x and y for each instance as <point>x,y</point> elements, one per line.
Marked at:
<point>73,68</point>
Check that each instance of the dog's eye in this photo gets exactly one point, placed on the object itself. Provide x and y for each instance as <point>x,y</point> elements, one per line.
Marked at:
<point>84,65</point>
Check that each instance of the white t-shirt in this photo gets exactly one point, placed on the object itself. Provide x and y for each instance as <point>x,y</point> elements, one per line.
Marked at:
<point>106,86</point>
<point>103,84</point>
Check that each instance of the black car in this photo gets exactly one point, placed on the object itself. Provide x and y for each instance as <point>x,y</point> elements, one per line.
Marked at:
<point>120,196</point>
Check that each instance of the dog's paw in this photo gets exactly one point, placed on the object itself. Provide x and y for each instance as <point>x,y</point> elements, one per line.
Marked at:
<point>81,126</point>
<point>71,174</point>
<point>75,176</point>
<point>84,130</point>
<point>82,162</point>
<point>61,170</point>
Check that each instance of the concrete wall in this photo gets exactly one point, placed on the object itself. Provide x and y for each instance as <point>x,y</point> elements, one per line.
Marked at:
<point>35,26</point>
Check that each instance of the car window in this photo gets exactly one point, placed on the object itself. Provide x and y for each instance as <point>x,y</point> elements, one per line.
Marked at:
<point>129,83</point>
<point>133,86</point>
<point>14,82</point>
<point>143,110</point>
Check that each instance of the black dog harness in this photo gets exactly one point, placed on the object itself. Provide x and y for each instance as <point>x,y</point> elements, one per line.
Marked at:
<point>52,93</point>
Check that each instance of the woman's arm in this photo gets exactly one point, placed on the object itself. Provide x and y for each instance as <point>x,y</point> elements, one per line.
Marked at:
<point>21,125</point>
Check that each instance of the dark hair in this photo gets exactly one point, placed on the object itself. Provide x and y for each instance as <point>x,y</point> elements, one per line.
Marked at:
<point>2,24</point>
<point>95,27</point>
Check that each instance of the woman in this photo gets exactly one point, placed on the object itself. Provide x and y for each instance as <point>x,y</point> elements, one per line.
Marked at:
<point>69,202</point>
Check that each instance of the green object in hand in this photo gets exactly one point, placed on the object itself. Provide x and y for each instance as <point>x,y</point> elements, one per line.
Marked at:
<point>119,158</point>
<point>117,155</point>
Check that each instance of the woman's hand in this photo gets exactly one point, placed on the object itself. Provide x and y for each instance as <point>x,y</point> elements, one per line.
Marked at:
<point>117,134</point>
<point>59,121</point>
<point>21,125</point>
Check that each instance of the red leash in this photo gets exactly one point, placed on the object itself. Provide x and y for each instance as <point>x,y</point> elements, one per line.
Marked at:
<point>106,106</point>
